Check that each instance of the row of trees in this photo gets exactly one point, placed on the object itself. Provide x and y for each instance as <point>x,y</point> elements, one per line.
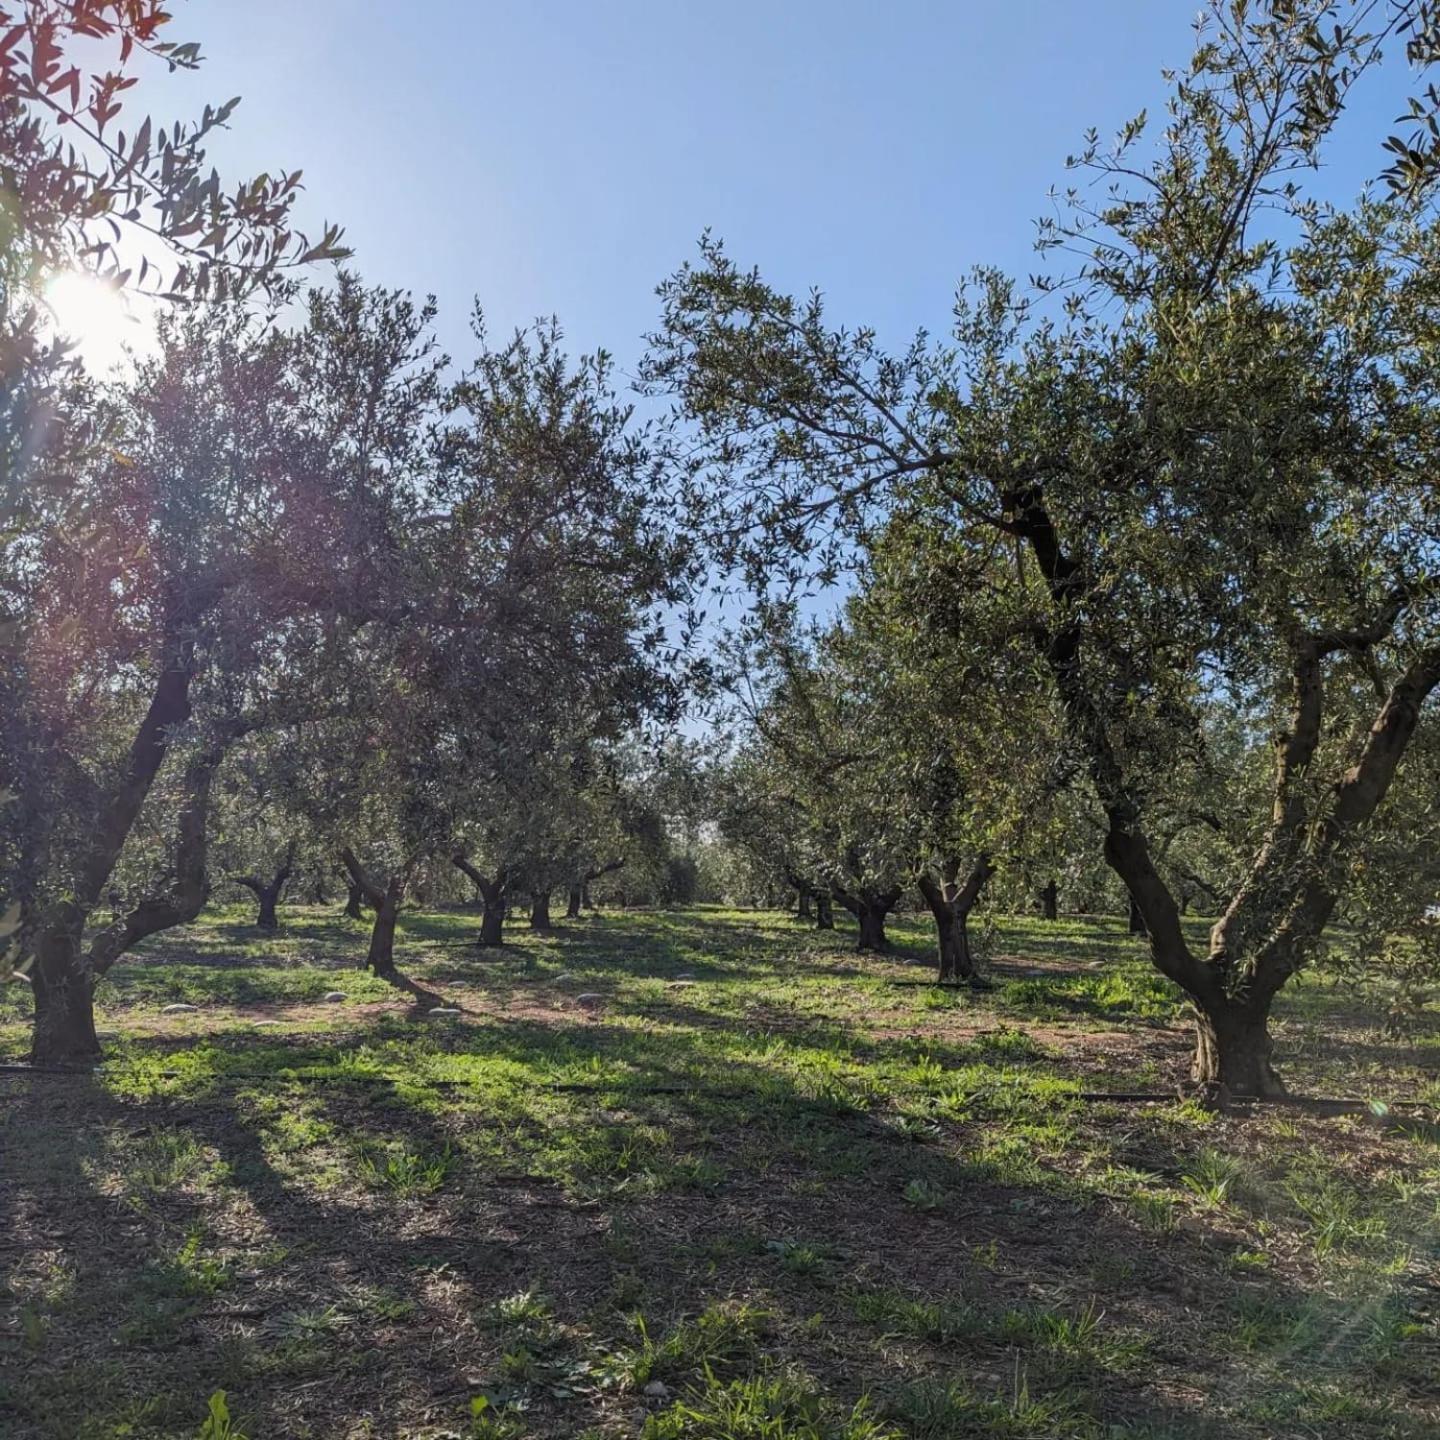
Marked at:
<point>1143,556</point>
<point>1181,497</point>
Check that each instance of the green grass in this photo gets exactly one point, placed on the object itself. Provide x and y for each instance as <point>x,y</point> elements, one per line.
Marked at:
<point>805,1196</point>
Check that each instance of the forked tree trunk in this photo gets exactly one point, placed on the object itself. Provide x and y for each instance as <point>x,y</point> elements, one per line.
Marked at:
<point>540,910</point>
<point>380,959</point>
<point>575,899</point>
<point>268,892</point>
<point>355,903</point>
<point>1050,901</point>
<point>492,897</point>
<point>63,975</point>
<point>951,905</point>
<point>824,912</point>
<point>870,910</point>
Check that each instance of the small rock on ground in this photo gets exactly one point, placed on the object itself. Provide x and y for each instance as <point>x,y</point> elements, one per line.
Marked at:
<point>335,995</point>
<point>178,1009</point>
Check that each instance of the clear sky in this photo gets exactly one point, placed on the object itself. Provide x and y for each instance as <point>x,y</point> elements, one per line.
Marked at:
<point>564,155</point>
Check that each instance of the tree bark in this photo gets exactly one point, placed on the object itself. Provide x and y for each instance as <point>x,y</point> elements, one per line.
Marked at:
<point>574,901</point>
<point>63,976</point>
<point>380,959</point>
<point>870,911</point>
<point>381,956</point>
<point>540,910</point>
<point>1233,1048</point>
<point>64,1001</point>
<point>268,892</point>
<point>802,909</point>
<point>1137,920</point>
<point>951,905</point>
<point>1050,901</point>
<point>355,902</point>
<point>824,912</point>
<point>492,897</point>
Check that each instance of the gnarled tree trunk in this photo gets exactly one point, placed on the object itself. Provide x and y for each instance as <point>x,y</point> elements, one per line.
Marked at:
<point>64,997</point>
<point>65,974</point>
<point>574,899</point>
<point>492,897</point>
<point>870,910</point>
<point>802,907</point>
<point>268,892</point>
<point>1233,1047</point>
<point>540,910</point>
<point>385,901</point>
<point>951,905</point>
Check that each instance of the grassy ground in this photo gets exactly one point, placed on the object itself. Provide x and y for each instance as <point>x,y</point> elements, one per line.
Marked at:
<point>702,1174</point>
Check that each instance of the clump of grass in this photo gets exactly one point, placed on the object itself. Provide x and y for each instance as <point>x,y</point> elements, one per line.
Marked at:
<point>407,1172</point>
<point>1211,1176</point>
<point>950,1410</point>
<point>720,1341</point>
<point>923,1194</point>
<point>490,1421</point>
<point>772,1407</point>
<point>1338,1217</point>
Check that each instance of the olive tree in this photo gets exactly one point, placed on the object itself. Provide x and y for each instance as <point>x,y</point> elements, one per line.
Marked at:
<point>1212,471</point>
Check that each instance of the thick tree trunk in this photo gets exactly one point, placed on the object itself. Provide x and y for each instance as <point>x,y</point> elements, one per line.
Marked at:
<point>540,910</point>
<point>1050,901</point>
<point>64,1000</point>
<point>267,919</point>
<point>268,892</point>
<point>381,957</point>
<point>951,905</point>
<point>824,912</point>
<point>493,894</point>
<point>802,909</point>
<point>63,977</point>
<point>872,928</point>
<point>355,904</point>
<point>1137,920</point>
<point>585,899</point>
<point>1233,1048</point>
<point>386,905</point>
<point>574,901</point>
<point>492,926</point>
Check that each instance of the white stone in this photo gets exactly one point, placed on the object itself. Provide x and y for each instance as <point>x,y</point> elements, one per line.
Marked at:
<point>335,995</point>
<point>179,1009</point>
<point>442,1010</point>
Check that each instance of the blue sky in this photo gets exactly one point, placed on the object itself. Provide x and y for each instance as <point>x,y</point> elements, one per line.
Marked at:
<point>563,157</point>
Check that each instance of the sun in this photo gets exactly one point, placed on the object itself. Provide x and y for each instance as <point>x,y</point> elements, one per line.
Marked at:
<point>95,316</point>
